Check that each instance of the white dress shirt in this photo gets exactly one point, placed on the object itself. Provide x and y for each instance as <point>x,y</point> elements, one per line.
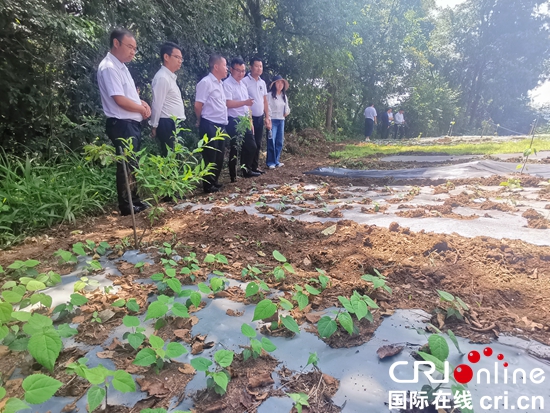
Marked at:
<point>210,93</point>
<point>167,101</point>
<point>278,108</point>
<point>399,118</point>
<point>114,79</point>
<point>370,112</point>
<point>257,89</point>
<point>235,91</point>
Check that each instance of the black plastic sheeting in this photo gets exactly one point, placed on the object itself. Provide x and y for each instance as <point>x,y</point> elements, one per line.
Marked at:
<point>476,169</point>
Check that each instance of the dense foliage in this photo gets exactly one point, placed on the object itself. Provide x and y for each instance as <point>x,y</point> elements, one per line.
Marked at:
<point>473,63</point>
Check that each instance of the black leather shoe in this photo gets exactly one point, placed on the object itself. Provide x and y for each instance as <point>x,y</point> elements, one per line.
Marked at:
<point>137,209</point>
<point>259,171</point>
<point>251,174</point>
<point>219,186</point>
<point>211,190</point>
<point>233,179</point>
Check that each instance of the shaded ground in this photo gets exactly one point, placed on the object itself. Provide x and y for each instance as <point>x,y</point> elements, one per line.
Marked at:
<point>505,283</point>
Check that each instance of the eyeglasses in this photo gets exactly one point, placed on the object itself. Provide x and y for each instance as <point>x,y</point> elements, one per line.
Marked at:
<point>180,58</point>
<point>129,46</point>
<point>238,70</point>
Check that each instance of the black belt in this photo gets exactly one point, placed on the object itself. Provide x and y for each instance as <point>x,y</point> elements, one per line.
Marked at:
<point>135,122</point>
<point>261,116</point>
<point>219,125</point>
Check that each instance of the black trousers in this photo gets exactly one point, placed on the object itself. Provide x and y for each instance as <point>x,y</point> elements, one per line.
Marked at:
<point>165,135</point>
<point>247,145</point>
<point>125,129</point>
<point>214,153</point>
<point>258,122</point>
<point>369,127</point>
<point>386,131</point>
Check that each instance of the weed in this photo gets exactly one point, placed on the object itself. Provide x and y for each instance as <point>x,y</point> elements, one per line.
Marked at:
<point>456,306</point>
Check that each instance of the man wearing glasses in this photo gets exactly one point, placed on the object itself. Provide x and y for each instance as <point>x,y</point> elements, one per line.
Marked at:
<point>211,112</point>
<point>167,100</point>
<point>124,110</point>
<point>238,104</point>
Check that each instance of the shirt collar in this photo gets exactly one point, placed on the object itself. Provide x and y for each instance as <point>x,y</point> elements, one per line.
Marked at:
<point>213,78</point>
<point>233,80</point>
<point>169,72</point>
<point>117,62</point>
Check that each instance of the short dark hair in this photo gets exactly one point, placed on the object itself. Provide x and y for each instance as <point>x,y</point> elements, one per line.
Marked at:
<point>254,60</point>
<point>237,61</point>
<point>168,48</point>
<point>214,59</point>
<point>119,34</point>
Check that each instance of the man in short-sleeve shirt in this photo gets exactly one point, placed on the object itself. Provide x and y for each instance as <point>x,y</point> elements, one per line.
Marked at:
<point>257,90</point>
<point>124,110</point>
<point>211,112</point>
<point>370,121</point>
<point>238,104</point>
<point>167,100</point>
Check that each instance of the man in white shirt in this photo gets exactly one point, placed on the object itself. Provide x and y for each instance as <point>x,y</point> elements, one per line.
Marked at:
<point>124,110</point>
<point>167,100</point>
<point>257,90</point>
<point>399,124</point>
<point>238,104</point>
<point>211,112</point>
<point>370,121</point>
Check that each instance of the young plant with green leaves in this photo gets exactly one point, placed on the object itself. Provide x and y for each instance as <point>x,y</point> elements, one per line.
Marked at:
<point>217,378</point>
<point>323,280</point>
<point>266,309</point>
<point>76,300</point>
<point>191,266</point>
<point>284,266</point>
<point>256,346</point>
<point>454,305</point>
<point>257,287</point>
<point>135,337</point>
<point>215,262</point>
<point>168,279</point>
<point>101,379</point>
<point>357,304</point>
<point>300,400</point>
<point>157,355</point>
<point>131,304</point>
<point>162,307</point>
<point>378,281</point>
<point>38,389</point>
<point>91,248</point>
<point>85,282</point>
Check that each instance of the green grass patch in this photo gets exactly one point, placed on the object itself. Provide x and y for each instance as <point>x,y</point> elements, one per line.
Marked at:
<point>485,148</point>
<point>38,194</point>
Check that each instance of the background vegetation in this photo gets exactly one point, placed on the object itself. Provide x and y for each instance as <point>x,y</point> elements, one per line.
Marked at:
<point>472,64</point>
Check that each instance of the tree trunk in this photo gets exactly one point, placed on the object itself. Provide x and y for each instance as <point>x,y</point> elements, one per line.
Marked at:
<point>328,120</point>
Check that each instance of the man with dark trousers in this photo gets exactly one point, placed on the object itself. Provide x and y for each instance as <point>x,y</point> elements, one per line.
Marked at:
<point>211,111</point>
<point>124,110</point>
<point>167,100</point>
<point>238,104</point>
<point>257,90</point>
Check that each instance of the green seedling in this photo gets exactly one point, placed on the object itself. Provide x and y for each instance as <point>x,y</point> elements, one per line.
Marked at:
<point>65,257</point>
<point>253,288</point>
<point>166,249</point>
<point>218,379</point>
<point>378,281</point>
<point>216,285</point>
<point>38,389</point>
<point>322,280</point>
<point>279,271</point>
<point>250,271</point>
<point>456,306</point>
<point>357,304</point>
<point>131,304</point>
<point>191,266</point>
<point>313,360</point>
<point>101,378</point>
<point>85,282</point>
<point>65,309</point>
<point>157,355</point>
<point>300,400</point>
<point>136,337</point>
<point>216,262</point>
<point>301,297</point>
<point>96,318</point>
<point>139,266</point>
<point>267,309</point>
<point>512,183</point>
<point>168,279</point>
<point>164,305</point>
<point>256,346</point>
<point>90,248</point>
<point>20,269</point>
<point>92,266</point>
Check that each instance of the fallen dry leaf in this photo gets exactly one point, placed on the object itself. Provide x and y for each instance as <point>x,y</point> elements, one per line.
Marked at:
<point>389,351</point>
<point>106,354</point>
<point>262,379</point>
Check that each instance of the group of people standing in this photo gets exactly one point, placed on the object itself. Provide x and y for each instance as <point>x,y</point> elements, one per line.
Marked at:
<point>220,102</point>
<point>387,122</point>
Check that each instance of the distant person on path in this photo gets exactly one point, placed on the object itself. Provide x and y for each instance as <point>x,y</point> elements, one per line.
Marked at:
<point>370,121</point>
<point>279,110</point>
<point>238,104</point>
<point>124,110</point>
<point>167,100</point>
<point>399,127</point>
<point>257,90</point>
<point>387,121</point>
<point>211,112</point>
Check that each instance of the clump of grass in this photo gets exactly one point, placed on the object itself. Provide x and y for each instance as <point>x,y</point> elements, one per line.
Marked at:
<point>36,194</point>
<point>485,148</point>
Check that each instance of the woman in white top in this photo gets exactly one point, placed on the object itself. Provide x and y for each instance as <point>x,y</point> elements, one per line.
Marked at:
<point>278,110</point>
